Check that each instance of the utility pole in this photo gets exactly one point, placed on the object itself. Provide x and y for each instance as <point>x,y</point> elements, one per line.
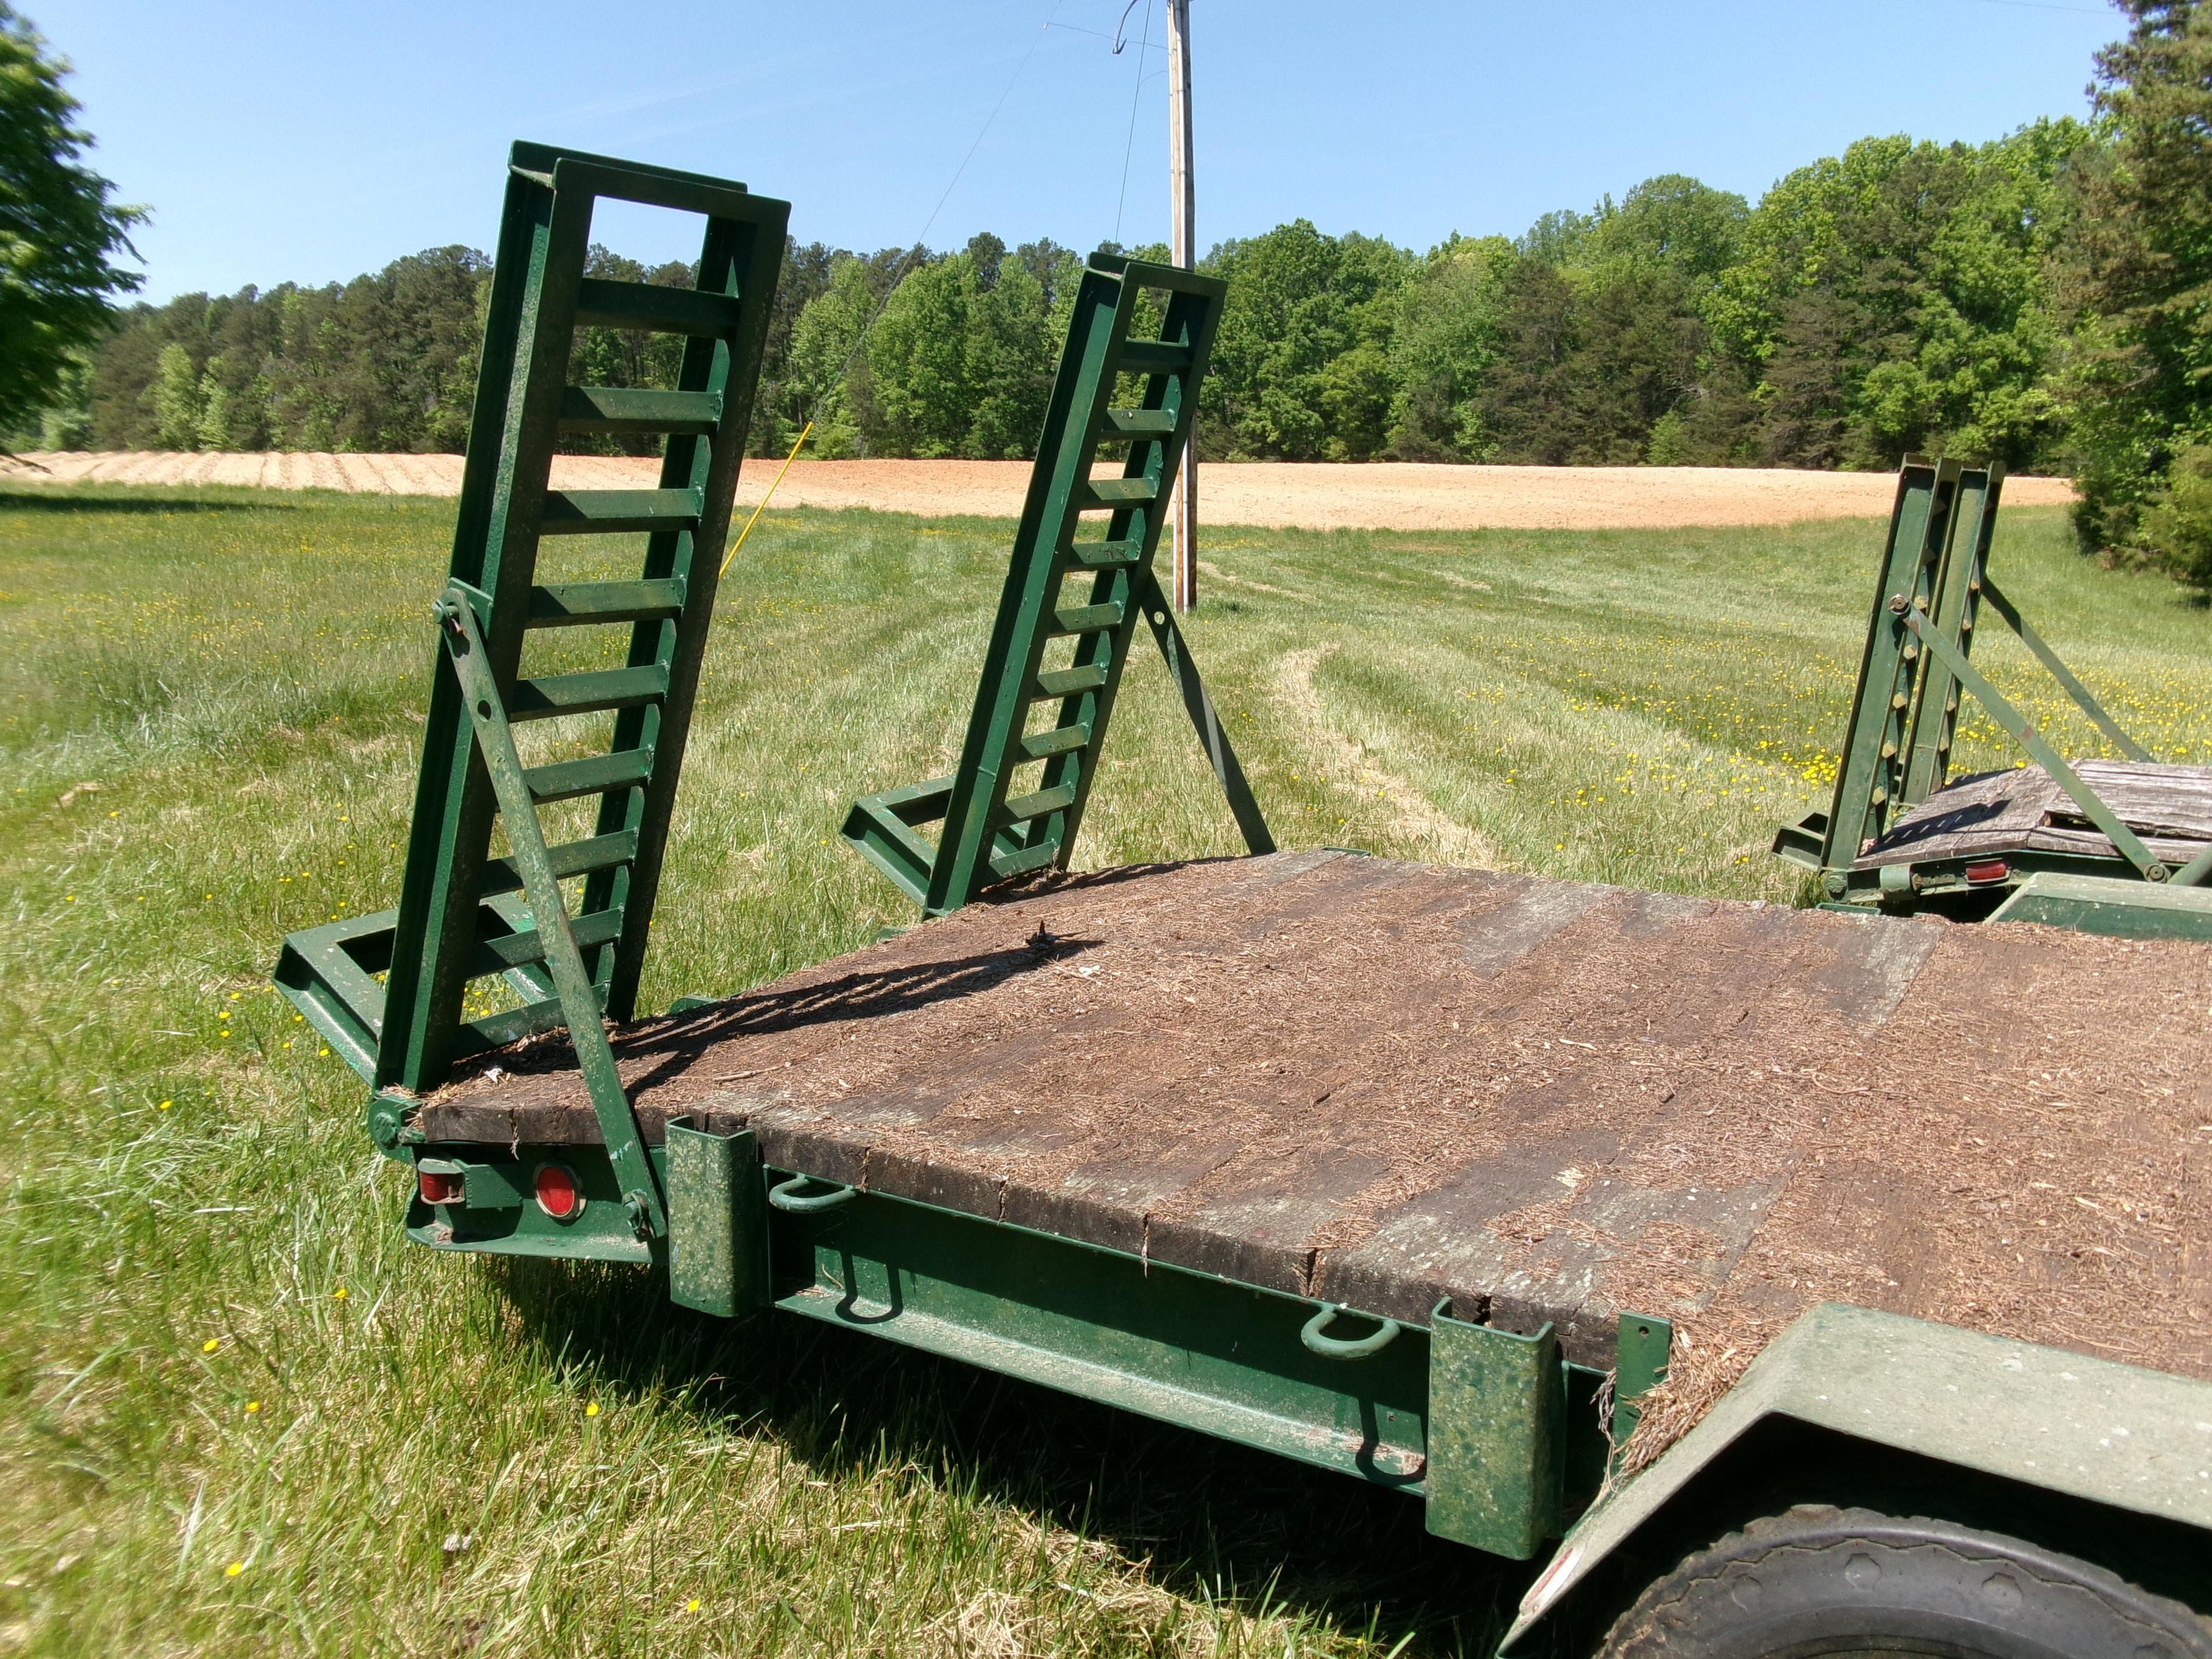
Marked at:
<point>1183,510</point>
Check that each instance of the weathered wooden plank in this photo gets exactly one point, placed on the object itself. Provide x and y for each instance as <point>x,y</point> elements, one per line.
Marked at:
<point>1993,812</point>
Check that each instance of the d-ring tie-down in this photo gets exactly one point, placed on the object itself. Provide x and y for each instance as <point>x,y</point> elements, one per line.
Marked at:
<point>788,1196</point>
<point>1332,1347</point>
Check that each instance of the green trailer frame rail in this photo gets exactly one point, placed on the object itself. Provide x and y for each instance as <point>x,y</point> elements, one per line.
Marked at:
<point>1500,1436</point>
<point>1914,673</point>
<point>459,921</point>
<point>990,832</point>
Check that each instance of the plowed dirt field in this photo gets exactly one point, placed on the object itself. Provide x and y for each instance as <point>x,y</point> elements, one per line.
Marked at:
<point>1394,495</point>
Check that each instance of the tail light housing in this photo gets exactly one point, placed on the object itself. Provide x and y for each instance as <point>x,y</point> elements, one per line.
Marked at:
<point>560,1194</point>
<point>441,1186</point>
<point>1988,869</point>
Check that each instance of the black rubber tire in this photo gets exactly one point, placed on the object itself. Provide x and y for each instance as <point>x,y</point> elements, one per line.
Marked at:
<point>1830,1581</point>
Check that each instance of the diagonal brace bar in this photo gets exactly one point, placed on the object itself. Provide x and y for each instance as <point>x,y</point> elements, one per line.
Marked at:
<point>2093,807</point>
<point>580,1001</point>
<point>2193,873</point>
<point>2044,654</point>
<point>1159,615</point>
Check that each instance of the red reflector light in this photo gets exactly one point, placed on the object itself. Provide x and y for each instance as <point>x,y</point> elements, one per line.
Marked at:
<point>558,1195</point>
<point>440,1188</point>
<point>1988,870</point>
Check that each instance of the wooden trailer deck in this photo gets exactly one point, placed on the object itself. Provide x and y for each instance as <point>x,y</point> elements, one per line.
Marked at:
<point>1383,1083</point>
<point>2023,809</point>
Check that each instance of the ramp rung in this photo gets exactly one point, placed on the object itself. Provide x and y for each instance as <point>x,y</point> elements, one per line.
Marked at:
<point>1153,356</point>
<point>551,695</point>
<point>594,775</point>
<point>575,605</point>
<point>497,955</point>
<point>1027,859</point>
<point>1040,745</point>
<point>603,304</point>
<point>1022,808</point>
<point>684,192</point>
<point>1140,422</point>
<point>1086,618</point>
<point>1066,681</point>
<point>570,858</point>
<point>610,512</point>
<point>1120,492</point>
<point>1106,556</point>
<point>626,409</point>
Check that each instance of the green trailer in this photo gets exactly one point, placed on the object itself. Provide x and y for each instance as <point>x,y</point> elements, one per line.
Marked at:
<point>2106,846</point>
<point>1633,1236</point>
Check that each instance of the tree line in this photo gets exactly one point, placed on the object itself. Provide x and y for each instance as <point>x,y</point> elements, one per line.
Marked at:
<point>2038,300</point>
<point>1902,295</point>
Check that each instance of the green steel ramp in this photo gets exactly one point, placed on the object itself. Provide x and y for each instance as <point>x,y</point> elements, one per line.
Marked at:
<point>1068,583</point>
<point>388,990</point>
<point>1900,835</point>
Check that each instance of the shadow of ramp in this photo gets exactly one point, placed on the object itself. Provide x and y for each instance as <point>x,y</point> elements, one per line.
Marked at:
<point>62,497</point>
<point>1214,1521</point>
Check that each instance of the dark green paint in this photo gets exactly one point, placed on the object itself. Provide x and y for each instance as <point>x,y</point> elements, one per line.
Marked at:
<point>2119,909</point>
<point>1182,1346</point>
<point>1642,1350</point>
<point>1497,1470</point>
<point>554,938</point>
<point>1913,674</point>
<point>718,1251</point>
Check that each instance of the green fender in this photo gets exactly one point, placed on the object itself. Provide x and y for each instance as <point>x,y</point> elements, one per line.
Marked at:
<point>2112,1434</point>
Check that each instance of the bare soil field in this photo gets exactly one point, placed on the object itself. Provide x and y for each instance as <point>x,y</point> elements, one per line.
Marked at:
<point>1390,496</point>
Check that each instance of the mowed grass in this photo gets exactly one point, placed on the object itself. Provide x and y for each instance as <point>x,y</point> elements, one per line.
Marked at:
<point>240,1415</point>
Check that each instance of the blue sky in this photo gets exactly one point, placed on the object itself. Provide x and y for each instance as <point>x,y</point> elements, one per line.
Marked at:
<point>313,142</point>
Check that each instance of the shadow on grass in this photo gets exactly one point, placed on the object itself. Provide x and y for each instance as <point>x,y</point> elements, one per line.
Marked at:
<point>63,500</point>
<point>1214,1519</point>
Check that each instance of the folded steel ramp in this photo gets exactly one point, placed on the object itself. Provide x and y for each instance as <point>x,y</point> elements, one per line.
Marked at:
<point>391,991</point>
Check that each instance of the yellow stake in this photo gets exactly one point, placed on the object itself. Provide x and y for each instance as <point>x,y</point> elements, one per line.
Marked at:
<point>763,508</point>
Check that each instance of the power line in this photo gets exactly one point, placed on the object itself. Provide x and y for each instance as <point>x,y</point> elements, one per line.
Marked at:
<point>920,243</point>
<point>1136,94</point>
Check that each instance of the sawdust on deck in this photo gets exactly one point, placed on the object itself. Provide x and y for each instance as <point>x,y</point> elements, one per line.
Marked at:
<point>1383,1083</point>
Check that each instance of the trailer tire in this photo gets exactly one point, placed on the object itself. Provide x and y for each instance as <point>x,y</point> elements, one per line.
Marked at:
<point>1821,1580</point>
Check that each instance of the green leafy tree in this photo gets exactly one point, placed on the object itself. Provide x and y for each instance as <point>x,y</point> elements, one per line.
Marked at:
<point>177,410</point>
<point>960,361</point>
<point>1897,298</point>
<point>59,232</point>
<point>1588,368</point>
<point>1443,342</point>
<point>1672,224</point>
<point>918,361</point>
<point>215,398</point>
<point>1298,301</point>
<point>2140,279</point>
<point>826,376</point>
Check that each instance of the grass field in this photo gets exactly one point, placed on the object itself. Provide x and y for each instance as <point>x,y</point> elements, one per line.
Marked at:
<point>241,1416</point>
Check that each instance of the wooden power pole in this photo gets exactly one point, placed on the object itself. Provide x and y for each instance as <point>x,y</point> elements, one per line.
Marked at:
<point>1183,512</point>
